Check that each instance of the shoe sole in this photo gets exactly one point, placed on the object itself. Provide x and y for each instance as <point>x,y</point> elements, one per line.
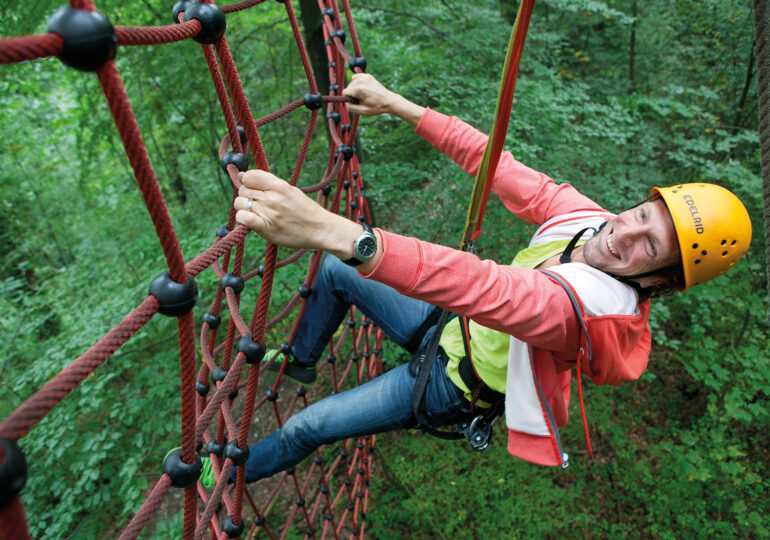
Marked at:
<point>297,375</point>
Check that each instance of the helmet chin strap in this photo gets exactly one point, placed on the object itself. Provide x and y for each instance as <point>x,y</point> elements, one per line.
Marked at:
<point>566,257</point>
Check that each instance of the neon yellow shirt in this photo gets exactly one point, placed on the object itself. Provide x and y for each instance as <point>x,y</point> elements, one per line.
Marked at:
<point>489,348</point>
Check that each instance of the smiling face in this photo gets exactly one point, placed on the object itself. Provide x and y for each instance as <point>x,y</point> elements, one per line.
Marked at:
<point>639,240</point>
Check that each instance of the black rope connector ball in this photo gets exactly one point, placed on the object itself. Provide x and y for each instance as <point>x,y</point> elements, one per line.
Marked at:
<point>346,151</point>
<point>327,189</point>
<point>339,34</point>
<point>223,231</point>
<point>211,18</point>
<point>89,37</point>
<point>237,159</point>
<point>179,7</point>
<point>357,62</point>
<point>329,12</point>
<point>182,474</point>
<point>212,320</point>
<point>13,471</point>
<point>261,270</point>
<point>333,88</point>
<point>305,291</point>
<point>271,396</point>
<point>254,352</point>
<point>229,280</point>
<point>217,449</point>
<point>335,116</point>
<point>231,529</point>
<point>285,347</point>
<point>235,454</point>
<point>301,391</point>
<point>242,133</point>
<point>313,101</point>
<point>176,299</point>
<point>219,374</point>
<point>201,388</point>
<point>259,521</point>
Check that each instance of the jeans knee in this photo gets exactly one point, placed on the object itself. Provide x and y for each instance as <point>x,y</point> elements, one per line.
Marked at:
<point>330,267</point>
<point>295,434</point>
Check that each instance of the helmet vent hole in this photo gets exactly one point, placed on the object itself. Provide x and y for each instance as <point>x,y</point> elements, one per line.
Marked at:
<point>675,190</point>
<point>723,242</point>
<point>724,253</point>
<point>704,252</point>
<point>695,246</point>
<point>732,243</point>
<point>697,261</point>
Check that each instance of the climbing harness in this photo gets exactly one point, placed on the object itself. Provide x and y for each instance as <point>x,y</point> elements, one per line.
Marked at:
<point>477,429</point>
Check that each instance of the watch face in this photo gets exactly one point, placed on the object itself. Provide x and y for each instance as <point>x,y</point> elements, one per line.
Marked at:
<point>366,247</point>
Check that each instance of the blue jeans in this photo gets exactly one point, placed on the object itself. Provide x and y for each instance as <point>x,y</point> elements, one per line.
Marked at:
<point>382,404</point>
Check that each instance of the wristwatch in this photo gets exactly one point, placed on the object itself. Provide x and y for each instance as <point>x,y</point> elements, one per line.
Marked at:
<point>364,247</point>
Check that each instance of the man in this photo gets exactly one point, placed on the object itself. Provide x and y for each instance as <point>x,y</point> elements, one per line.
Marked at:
<point>576,297</point>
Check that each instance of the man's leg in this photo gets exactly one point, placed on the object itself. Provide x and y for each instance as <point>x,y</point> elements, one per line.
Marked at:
<point>336,288</point>
<point>382,404</point>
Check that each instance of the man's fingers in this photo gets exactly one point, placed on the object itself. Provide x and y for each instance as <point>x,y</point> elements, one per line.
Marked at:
<point>251,220</point>
<point>242,203</point>
<point>259,179</point>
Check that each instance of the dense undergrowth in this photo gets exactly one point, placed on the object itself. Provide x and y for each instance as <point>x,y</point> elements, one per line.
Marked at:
<point>681,453</point>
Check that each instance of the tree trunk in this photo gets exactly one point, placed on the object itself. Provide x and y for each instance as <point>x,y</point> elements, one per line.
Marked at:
<point>632,47</point>
<point>762,38</point>
<point>312,22</point>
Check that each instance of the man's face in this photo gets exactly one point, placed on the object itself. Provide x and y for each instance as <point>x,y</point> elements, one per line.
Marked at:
<point>636,241</point>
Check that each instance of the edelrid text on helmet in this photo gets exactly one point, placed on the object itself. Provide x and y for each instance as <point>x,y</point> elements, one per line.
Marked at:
<point>712,226</point>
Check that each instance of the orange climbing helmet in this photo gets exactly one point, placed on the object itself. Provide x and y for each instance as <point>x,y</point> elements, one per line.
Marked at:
<point>712,226</point>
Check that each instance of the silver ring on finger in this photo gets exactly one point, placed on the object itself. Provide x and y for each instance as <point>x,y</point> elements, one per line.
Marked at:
<point>248,204</point>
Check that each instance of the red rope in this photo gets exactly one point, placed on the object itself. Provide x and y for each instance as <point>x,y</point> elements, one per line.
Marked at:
<point>140,163</point>
<point>28,414</point>
<point>198,411</point>
<point>19,49</point>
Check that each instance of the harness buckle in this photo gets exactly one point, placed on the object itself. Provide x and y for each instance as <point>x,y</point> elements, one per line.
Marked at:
<point>478,432</point>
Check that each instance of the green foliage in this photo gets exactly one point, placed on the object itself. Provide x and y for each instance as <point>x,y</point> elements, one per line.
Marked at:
<point>614,96</point>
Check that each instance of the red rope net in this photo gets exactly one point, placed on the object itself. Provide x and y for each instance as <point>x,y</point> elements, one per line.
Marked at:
<point>329,499</point>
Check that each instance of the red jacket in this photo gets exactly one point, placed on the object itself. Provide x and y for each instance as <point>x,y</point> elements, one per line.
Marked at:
<point>536,308</point>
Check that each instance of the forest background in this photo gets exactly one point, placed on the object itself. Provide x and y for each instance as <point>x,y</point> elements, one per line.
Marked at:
<point>614,96</point>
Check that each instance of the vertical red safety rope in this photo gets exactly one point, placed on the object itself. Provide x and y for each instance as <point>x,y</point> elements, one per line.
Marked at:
<point>494,148</point>
<point>333,497</point>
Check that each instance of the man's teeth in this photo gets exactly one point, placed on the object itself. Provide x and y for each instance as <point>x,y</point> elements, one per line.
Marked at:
<point>611,245</point>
